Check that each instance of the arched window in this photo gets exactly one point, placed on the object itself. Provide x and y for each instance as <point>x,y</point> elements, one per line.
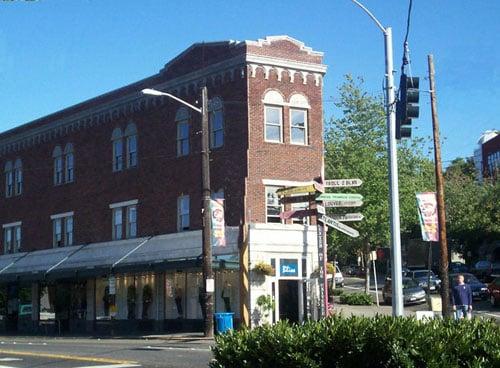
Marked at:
<point>9,179</point>
<point>18,176</point>
<point>273,117</point>
<point>216,123</point>
<point>182,123</point>
<point>69,167</point>
<point>117,141</point>
<point>57,156</point>
<point>299,107</point>
<point>131,145</point>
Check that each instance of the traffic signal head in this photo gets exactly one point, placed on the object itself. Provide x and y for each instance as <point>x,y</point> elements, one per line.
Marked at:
<point>407,105</point>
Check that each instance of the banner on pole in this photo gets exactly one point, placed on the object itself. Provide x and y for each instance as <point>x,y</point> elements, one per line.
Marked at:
<point>218,223</point>
<point>428,216</point>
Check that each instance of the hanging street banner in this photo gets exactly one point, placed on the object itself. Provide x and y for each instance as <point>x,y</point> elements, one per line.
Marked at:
<point>297,214</point>
<point>298,199</point>
<point>343,183</point>
<point>311,188</point>
<point>218,223</point>
<point>339,197</point>
<point>427,213</point>
<point>339,226</point>
<point>348,217</point>
<point>342,203</point>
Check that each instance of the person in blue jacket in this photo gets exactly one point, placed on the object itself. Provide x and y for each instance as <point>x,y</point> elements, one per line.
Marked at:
<point>461,299</point>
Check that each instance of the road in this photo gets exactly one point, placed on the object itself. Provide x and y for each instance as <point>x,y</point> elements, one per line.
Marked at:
<point>27,352</point>
<point>354,284</point>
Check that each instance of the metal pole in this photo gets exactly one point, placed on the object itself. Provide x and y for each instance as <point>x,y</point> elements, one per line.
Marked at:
<point>443,264</point>
<point>397,279</point>
<point>375,279</point>
<point>207,231</point>
<point>429,266</point>
<point>325,271</point>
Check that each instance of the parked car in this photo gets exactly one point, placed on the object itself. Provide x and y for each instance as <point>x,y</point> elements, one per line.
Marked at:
<point>422,277</point>
<point>405,271</point>
<point>458,267</point>
<point>486,270</point>
<point>25,310</point>
<point>352,270</point>
<point>412,293</point>
<point>494,291</point>
<point>479,289</point>
<point>339,278</point>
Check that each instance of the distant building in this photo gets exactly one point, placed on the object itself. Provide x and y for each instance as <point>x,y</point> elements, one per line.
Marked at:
<point>487,155</point>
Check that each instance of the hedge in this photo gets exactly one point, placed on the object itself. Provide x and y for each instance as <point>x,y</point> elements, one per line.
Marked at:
<point>360,342</point>
<point>356,299</point>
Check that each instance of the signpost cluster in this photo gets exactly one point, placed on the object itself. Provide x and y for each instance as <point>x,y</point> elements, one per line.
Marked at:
<point>315,193</point>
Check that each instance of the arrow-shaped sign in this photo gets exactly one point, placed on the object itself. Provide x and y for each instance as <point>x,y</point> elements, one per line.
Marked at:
<point>339,183</point>
<point>311,188</point>
<point>342,203</point>
<point>339,226</point>
<point>298,199</point>
<point>339,197</point>
<point>349,217</point>
<point>297,214</point>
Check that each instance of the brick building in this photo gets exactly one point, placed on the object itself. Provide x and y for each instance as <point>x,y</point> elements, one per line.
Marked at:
<point>101,207</point>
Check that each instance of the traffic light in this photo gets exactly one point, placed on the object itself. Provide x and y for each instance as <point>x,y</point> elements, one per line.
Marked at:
<point>406,106</point>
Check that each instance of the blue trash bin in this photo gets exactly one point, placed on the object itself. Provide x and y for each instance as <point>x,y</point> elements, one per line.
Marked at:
<point>223,322</point>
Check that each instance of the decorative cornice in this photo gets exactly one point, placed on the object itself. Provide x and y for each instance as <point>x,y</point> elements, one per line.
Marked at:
<point>269,39</point>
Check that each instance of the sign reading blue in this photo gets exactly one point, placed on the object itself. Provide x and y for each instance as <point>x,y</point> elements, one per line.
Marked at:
<point>289,267</point>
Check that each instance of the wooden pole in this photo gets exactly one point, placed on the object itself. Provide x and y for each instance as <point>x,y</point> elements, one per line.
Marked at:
<point>443,244</point>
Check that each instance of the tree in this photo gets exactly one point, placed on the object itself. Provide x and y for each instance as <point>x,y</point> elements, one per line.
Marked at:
<point>355,147</point>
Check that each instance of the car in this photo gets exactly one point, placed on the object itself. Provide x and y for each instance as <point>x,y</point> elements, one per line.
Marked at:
<point>25,310</point>
<point>479,289</point>
<point>422,278</point>
<point>458,267</point>
<point>494,292</point>
<point>339,278</point>
<point>352,270</point>
<point>412,293</point>
<point>486,270</point>
<point>405,271</point>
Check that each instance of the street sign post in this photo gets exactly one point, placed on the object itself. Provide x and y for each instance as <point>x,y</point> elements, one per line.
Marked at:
<point>342,183</point>
<point>355,203</point>
<point>348,217</point>
<point>339,226</point>
<point>297,214</point>
<point>311,188</point>
<point>339,197</point>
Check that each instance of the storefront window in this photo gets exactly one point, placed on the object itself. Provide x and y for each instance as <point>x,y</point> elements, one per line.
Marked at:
<point>102,299</point>
<point>226,290</point>
<point>193,305</point>
<point>175,285</point>
<point>47,303</point>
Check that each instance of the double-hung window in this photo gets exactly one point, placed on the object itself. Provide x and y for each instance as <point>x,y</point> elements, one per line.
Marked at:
<point>18,177</point>
<point>216,123</point>
<point>131,145</point>
<point>183,213</point>
<point>9,179</point>
<point>12,237</point>
<point>58,170</point>
<point>182,136</point>
<point>13,178</point>
<point>69,163</point>
<point>62,229</point>
<point>124,219</point>
<point>273,116</point>
<point>273,207</point>
<point>298,126</point>
<point>117,142</point>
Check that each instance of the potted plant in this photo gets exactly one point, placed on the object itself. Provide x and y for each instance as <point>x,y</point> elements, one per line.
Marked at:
<point>264,269</point>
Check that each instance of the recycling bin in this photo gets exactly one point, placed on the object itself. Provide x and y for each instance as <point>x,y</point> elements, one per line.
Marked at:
<point>223,322</point>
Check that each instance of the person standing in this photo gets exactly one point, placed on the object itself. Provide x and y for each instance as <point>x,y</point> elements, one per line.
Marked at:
<point>461,299</point>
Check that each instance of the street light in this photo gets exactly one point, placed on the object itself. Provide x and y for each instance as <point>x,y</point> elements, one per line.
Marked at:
<point>206,229</point>
<point>396,269</point>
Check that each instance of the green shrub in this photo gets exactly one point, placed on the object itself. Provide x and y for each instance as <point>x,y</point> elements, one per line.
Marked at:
<point>336,292</point>
<point>360,342</point>
<point>356,299</point>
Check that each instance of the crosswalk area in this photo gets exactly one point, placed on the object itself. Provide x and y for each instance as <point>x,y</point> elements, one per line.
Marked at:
<point>7,361</point>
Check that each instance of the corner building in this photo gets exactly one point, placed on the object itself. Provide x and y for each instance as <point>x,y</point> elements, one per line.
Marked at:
<point>101,203</point>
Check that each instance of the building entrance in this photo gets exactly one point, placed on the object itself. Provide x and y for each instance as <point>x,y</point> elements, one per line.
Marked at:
<point>289,300</point>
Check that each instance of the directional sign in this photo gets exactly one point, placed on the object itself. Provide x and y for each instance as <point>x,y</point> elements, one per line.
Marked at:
<point>339,197</point>
<point>297,199</point>
<point>339,183</point>
<point>311,188</point>
<point>320,209</point>
<point>348,217</point>
<point>297,214</point>
<point>339,226</point>
<point>342,203</point>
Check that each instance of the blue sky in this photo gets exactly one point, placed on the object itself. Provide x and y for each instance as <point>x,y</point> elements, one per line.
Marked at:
<point>55,53</point>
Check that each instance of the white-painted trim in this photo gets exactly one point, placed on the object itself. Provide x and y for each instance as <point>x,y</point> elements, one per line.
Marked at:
<point>62,215</point>
<point>306,126</point>
<point>124,204</point>
<point>286,63</point>
<point>285,183</point>
<point>12,224</point>
<point>281,126</point>
<point>269,39</point>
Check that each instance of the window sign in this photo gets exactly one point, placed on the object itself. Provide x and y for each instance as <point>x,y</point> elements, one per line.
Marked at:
<point>289,267</point>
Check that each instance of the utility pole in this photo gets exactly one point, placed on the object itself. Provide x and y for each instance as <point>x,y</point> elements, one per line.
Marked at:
<point>443,243</point>
<point>208,279</point>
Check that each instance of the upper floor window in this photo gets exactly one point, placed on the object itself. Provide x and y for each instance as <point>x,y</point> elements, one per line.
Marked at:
<point>117,141</point>
<point>298,119</point>
<point>182,122</point>
<point>183,213</point>
<point>12,237</point>
<point>131,145</point>
<point>57,155</point>
<point>273,207</point>
<point>273,116</point>
<point>69,160</point>
<point>216,123</point>
<point>62,229</point>
<point>9,179</point>
<point>124,219</point>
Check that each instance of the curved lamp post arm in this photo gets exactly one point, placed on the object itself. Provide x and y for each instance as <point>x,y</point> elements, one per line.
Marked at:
<point>370,14</point>
<point>154,92</point>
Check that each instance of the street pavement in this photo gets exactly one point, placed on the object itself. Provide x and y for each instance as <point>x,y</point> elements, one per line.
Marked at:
<point>17,352</point>
<point>481,308</point>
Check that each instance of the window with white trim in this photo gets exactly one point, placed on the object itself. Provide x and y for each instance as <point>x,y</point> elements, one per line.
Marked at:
<point>124,217</point>
<point>57,156</point>
<point>62,230</point>
<point>216,123</point>
<point>273,207</point>
<point>9,179</point>
<point>300,207</point>
<point>273,116</point>
<point>131,221</point>
<point>298,126</point>
<point>117,141</point>
<point>18,177</point>
<point>12,238</point>
<point>183,213</point>
<point>69,163</point>
<point>117,223</point>
<point>182,137</point>
<point>131,145</point>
